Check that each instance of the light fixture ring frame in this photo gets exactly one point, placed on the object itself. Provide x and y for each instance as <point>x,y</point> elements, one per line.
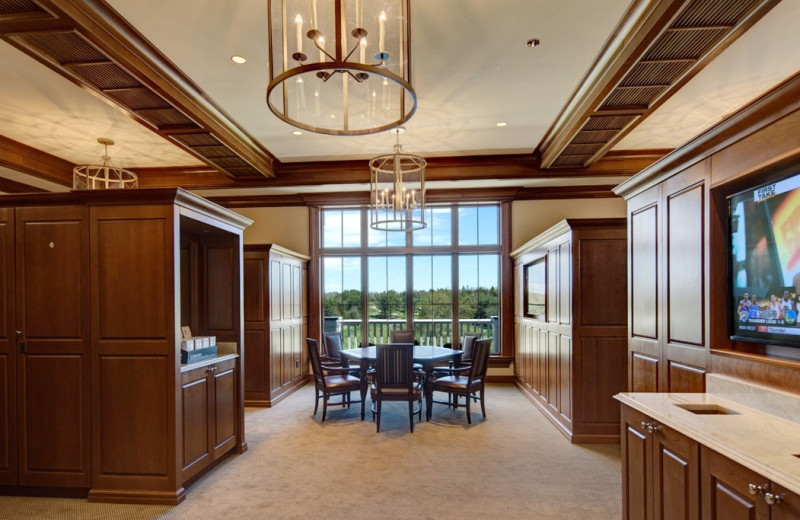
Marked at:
<point>342,68</point>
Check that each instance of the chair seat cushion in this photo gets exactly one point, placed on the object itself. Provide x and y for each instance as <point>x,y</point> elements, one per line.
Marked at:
<point>342,381</point>
<point>454,382</point>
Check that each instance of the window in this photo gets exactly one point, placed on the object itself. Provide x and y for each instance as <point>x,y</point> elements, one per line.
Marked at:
<point>443,281</point>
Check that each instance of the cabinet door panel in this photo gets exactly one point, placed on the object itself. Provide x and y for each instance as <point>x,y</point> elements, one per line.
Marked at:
<point>789,508</point>
<point>676,474</point>
<point>223,427</point>
<point>724,490</point>
<point>255,366</point>
<point>53,376</point>
<point>8,398</point>
<point>196,443</point>
<point>685,246</point>
<point>636,447</point>
<point>644,377</point>
<point>275,359</point>
<point>53,447</point>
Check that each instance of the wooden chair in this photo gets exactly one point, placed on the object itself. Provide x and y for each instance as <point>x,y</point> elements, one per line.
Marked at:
<point>332,352</point>
<point>401,336</point>
<point>331,381</point>
<point>467,381</point>
<point>466,347</point>
<point>394,379</point>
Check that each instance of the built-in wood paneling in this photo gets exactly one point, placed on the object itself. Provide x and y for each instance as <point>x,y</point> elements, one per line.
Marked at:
<point>691,185</point>
<point>571,364</point>
<point>644,373</point>
<point>8,355</point>
<point>53,373</point>
<point>685,289</point>
<point>644,272</point>
<point>276,323</point>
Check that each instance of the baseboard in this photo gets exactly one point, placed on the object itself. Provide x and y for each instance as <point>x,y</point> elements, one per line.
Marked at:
<point>501,379</point>
<point>127,496</point>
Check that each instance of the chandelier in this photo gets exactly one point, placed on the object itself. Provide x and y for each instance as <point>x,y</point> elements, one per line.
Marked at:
<point>340,67</point>
<point>103,176</point>
<point>397,190</point>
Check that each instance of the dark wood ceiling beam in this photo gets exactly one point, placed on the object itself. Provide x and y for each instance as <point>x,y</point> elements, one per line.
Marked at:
<point>23,158</point>
<point>360,198</point>
<point>489,167</point>
<point>9,186</point>
<point>642,27</point>
<point>108,32</point>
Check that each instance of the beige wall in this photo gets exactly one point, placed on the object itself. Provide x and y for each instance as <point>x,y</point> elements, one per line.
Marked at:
<point>531,217</point>
<point>285,226</point>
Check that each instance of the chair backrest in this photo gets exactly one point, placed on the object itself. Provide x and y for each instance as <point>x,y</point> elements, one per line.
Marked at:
<point>480,360</point>
<point>316,364</point>
<point>402,336</point>
<point>394,366</point>
<point>467,345</point>
<point>332,344</point>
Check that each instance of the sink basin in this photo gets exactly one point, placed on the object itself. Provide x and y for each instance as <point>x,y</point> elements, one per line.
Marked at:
<point>706,409</point>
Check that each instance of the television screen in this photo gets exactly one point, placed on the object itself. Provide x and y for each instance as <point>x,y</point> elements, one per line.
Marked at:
<point>764,263</point>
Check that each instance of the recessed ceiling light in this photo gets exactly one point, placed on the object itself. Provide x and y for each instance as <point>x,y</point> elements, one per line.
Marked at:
<point>502,124</point>
<point>297,132</point>
<point>238,59</point>
<point>533,42</point>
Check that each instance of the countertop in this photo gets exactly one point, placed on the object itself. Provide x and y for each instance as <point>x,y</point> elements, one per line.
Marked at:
<point>763,442</point>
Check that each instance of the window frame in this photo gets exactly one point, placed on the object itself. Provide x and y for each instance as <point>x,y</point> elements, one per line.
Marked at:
<point>504,353</point>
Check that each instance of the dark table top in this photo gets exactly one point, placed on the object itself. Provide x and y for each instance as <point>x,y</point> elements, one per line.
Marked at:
<point>422,354</point>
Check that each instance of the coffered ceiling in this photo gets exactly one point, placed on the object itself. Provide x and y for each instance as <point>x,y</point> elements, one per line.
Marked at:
<point>613,86</point>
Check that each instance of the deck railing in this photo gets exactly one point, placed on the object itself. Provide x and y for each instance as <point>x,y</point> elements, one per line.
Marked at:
<point>427,332</point>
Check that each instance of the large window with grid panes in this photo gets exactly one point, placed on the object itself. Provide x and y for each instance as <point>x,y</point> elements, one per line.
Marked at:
<point>443,281</point>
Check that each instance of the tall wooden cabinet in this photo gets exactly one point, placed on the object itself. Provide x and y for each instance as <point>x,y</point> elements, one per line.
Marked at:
<point>571,359</point>
<point>275,322</point>
<point>93,286</point>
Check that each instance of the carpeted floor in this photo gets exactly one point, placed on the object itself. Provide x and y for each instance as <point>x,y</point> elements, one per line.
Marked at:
<point>512,465</point>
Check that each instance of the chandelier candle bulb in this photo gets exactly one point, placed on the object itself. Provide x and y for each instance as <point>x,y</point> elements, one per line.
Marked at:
<point>358,17</point>
<point>363,49</point>
<point>298,20</point>
<point>321,45</point>
<point>382,33</point>
<point>314,18</point>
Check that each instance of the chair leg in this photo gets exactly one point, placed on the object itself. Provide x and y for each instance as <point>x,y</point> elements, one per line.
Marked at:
<point>469,416</point>
<point>324,405</point>
<point>378,428</point>
<point>316,400</point>
<point>483,406</point>
<point>411,415</point>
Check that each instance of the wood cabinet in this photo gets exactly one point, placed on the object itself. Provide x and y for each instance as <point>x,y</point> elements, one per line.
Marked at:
<point>660,470</point>
<point>208,414</point>
<point>733,492</point>
<point>667,475</point>
<point>668,308</point>
<point>45,428</point>
<point>93,283</point>
<point>276,323</point>
<point>571,360</point>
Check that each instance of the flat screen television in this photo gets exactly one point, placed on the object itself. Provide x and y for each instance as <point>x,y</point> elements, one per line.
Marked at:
<point>764,263</point>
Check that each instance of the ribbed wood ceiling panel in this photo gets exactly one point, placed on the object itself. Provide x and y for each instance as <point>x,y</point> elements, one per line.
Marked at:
<point>696,30</point>
<point>76,57</point>
<point>20,7</point>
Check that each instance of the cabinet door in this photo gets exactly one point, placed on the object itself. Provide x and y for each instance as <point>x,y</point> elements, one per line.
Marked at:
<point>725,489</point>
<point>676,475</point>
<point>195,395</point>
<point>53,372</point>
<point>789,506</point>
<point>8,355</point>
<point>637,466</point>
<point>223,404</point>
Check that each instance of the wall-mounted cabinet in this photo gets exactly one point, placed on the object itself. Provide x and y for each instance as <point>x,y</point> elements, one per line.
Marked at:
<point>275,322</point>
<point>571,326</point>
<point>94,294</point>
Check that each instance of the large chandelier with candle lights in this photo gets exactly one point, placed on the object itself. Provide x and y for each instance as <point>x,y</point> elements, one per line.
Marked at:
<point>397,190</point>
<point>340,67</point>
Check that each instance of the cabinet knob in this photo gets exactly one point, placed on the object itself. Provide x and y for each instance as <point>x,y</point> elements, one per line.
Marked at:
<point>772,498</point>
<point>211,369</point>
<point>755,489</point>
<point>645,425</point>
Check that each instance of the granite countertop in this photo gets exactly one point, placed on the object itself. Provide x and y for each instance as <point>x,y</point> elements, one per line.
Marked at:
<point>764,442</point>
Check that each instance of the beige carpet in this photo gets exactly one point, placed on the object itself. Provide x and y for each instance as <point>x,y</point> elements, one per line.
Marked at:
<point>512,465</point>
